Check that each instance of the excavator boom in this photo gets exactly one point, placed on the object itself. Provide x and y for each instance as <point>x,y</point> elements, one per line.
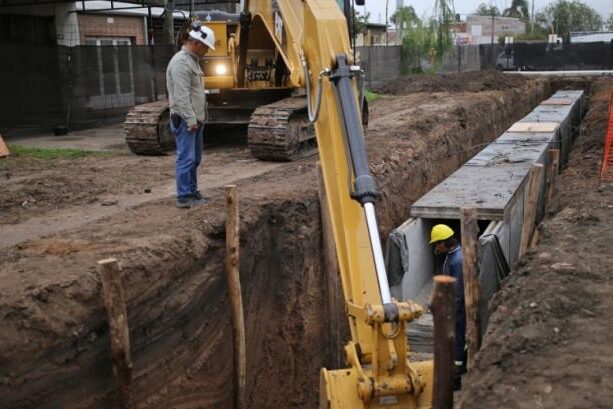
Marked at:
<point>379,373</point>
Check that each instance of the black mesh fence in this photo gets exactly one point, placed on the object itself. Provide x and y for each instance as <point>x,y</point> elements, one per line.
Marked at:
<point>546,57</point>
<point>44,87</point>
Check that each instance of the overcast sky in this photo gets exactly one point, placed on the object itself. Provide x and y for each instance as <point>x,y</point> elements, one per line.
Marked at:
<point>377,7</point>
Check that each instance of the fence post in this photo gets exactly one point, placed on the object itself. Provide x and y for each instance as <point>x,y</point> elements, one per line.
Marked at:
<point>119,334</point>
<point>531,194</point>
<point>444,315</point>
<point>470,271</point>
<point>235,293</point>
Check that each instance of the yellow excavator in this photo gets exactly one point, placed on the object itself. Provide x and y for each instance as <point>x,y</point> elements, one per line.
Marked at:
<point>304,45</point>
<point>251,78</point>
<point>379,373</point>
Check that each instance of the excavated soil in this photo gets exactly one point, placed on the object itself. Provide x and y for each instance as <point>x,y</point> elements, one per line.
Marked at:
<point>548,344</point>
<point>54,348</point>
<point>476,81</point>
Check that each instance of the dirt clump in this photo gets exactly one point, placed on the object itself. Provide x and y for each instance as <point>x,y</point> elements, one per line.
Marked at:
<point>474,81</point>
<point>548,344</point>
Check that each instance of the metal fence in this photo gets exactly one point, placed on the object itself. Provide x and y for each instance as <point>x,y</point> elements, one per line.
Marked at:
<point>44,87</point>
<point>546,57</point>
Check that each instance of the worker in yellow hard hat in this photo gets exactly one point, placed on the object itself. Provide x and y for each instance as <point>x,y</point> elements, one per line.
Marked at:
<point>444,241</point>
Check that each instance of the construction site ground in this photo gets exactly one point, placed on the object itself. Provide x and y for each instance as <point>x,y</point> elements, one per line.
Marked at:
<point>58,217</point>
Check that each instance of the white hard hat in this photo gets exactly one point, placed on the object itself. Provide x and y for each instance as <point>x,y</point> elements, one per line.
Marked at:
<point>205,35</point>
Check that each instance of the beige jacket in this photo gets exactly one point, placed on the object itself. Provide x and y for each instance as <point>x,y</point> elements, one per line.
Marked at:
<point>185,83</point>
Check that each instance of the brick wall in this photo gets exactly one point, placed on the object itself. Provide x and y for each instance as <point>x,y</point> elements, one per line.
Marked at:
<point>112,26</point>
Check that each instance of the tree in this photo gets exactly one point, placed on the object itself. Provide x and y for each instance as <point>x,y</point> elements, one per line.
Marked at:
<point>485,10</point>
<point>360,21</point>
<point>518,9</point>
<point>609,23</point>
<point>565,16</point>
<point>405,18</point>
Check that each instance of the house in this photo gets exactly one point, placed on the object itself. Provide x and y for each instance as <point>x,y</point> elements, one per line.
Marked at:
<point>376,34</point>
<point>90,22</point>
<point>486,29</point>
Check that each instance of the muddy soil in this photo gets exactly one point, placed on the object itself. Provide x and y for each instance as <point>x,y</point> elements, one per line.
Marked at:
<point>548,344</point>
<point>173,268</point>
<point>467,82</point>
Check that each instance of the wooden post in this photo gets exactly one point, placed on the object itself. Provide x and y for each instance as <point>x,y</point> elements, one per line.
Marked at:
<point>531,196</point>
<point>470,271</point>
<point>119,334</point>
<point>330,266</point>
<point>444,314</point>
<point>236,300</point>
<point>553,158</point>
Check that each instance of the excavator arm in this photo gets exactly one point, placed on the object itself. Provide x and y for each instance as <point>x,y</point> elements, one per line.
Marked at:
<point>379,374</point>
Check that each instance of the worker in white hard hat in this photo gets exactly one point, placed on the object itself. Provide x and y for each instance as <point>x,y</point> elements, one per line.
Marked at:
<point>444,241</point>
<point>184,80</point>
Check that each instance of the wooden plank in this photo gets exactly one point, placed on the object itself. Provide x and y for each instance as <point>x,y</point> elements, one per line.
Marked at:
<point>444,316</point>
<point>553,167</point>
<point>530,203</point>
<point>488,189</point>
<point>517,153</point>
<point>119,334</point>
<point>557,101</point>
<point>534,127</point>
<point>331,271</point>
<point>4,150</point>
<point>470,271</point>
<point>236,299</point>
<point>525,137</point>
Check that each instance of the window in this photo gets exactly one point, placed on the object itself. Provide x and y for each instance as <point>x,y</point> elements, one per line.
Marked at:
<point>115,73</point>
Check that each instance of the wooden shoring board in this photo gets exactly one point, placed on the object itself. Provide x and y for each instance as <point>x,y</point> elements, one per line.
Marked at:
<point>526,137</point>
<point>4,150</point>
<point>557,101</point>
<point>562,118</point>
<point>534,127</point>
<point>490,190</point>
<point>517,153</point>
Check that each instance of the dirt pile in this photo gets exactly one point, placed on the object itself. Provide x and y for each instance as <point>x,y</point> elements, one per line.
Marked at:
<point>173,273</point>
<point>476,81</point>
<point>548,344</point>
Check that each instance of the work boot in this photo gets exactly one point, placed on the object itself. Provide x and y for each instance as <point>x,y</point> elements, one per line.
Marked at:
<point>198,199</point>
<point>184,202</point>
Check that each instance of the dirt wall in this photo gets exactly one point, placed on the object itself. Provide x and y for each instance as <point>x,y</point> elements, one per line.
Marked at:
<point>548,344</point>
<point>54,351</point>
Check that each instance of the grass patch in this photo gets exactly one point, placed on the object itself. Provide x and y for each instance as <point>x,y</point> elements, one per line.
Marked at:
<point>54,153</point>
<point>371,96</point>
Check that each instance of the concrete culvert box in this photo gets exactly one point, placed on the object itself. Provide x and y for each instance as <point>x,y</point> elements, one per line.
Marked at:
<point>496,183</point>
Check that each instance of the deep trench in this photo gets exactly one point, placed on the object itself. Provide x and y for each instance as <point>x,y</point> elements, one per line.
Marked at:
<point>180,327</point>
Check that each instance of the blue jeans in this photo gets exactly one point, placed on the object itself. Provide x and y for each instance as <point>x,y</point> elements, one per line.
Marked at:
<point>189,156</point>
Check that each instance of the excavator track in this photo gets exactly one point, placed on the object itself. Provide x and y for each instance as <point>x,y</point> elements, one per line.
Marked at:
<point>281,131</point>
<point>146,129</point>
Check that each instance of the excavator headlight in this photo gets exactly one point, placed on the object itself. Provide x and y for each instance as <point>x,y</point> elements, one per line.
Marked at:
<point>221,69</point>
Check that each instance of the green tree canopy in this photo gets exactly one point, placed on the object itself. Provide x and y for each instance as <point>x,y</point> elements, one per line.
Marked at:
<point>485,10</point>
<point>360,21</point>
<point>517,9</point>
<point>405,18</point>
<point>565,16</point>
<point>609,23</point>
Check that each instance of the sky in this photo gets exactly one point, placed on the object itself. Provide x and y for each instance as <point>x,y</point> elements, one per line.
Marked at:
<point>426,7</point>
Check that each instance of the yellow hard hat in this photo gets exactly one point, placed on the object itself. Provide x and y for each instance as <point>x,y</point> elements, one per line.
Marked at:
<point>440,232</point>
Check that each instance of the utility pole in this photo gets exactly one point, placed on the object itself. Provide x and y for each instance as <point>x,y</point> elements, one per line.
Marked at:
<point>387,2</point>
<point>492,46</point>
<point>532,19</point>
<point>169,29</point>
